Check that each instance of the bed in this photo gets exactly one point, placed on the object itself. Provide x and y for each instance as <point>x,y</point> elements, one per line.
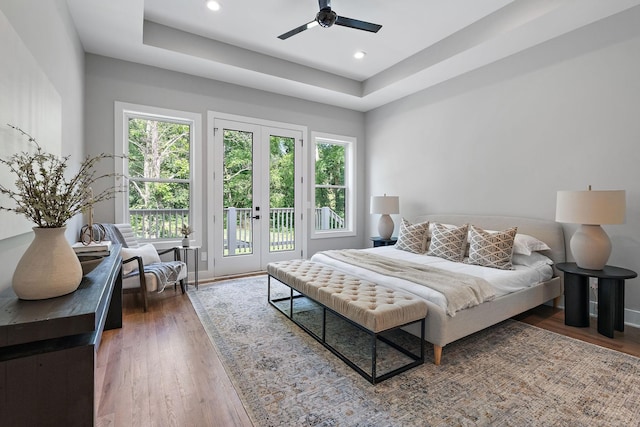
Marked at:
<point>443,325</point>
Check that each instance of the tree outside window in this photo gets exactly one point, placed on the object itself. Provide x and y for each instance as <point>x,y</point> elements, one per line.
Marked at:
<point>333,184</point>
<point>159,176</point>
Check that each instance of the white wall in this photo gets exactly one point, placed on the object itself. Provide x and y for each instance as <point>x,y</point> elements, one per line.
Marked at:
<point>504,139</point>
<point>46,28</point>
<point>109,80</point>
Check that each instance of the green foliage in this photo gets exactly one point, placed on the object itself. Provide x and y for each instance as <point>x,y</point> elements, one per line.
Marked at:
<point>158,164</point>
<point>330,177</point>
<point>282,172</point>
<point>159,169</point>
<point>238,172</point>
<point>238,169</point>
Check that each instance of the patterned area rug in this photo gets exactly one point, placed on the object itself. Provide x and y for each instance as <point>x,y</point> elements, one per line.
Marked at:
<point>512,374</point>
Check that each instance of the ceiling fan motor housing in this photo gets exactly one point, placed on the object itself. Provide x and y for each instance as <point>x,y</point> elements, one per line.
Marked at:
<point>326,17</point>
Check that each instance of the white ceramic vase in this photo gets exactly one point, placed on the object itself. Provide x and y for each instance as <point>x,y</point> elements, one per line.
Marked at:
<point>49,267</point>
<point>185,242</point>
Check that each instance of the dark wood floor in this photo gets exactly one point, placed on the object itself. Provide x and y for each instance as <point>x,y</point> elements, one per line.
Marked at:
<point>551,319</point>
<point>160,369</point>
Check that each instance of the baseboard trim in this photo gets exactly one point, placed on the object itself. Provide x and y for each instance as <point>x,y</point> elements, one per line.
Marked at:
<point>631,317</point>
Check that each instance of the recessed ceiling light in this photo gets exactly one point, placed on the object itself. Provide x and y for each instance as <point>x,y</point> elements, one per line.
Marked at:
<point>213,5</point>
<point>359,54</point>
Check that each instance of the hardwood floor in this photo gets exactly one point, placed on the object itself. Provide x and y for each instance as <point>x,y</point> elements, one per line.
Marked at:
<point>160,369</point>
<point>552,319</point>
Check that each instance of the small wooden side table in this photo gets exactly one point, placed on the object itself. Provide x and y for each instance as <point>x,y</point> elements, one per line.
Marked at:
<point>185,254</point>
<point>610,296</point>
<point>379,241</point>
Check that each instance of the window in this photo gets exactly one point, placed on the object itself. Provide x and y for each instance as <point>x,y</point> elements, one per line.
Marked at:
<point>159,148</point>
<point>334,195</point>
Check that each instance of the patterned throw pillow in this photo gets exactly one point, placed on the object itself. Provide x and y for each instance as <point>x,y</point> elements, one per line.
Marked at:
<point>448,243</point>
<point>491,249</point>
<point>412,237</point>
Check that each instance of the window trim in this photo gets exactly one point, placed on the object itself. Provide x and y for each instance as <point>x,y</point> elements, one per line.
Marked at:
<point>123,111</point>
<point>350,144</point>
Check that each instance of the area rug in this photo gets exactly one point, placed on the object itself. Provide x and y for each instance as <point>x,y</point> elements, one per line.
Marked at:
<point>512,374</point>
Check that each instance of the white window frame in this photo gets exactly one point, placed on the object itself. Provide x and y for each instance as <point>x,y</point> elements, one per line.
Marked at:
<point>350,183</point>
<point>123,112</point>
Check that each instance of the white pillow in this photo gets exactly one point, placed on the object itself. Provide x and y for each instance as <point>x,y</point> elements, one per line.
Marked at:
<point>525,244</point>
<point>534,260</point>
<point>147,252</point>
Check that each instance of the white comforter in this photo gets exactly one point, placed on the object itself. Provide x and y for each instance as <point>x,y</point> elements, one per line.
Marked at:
<point>504,281</point>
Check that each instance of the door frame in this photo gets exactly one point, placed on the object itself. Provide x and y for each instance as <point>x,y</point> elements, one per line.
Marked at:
<point>210,188</point>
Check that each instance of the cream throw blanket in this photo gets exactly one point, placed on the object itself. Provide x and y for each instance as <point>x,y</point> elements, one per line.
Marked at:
<point>460,290</point>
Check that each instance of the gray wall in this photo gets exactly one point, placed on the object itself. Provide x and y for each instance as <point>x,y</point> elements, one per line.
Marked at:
<point>47,30</point>
<point>109,80</point>
<point>504,139</point>
<point>500,140</point>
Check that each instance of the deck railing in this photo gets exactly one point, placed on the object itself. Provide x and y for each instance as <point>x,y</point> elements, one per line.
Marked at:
<point>151,224</point>
<point>328,219</point>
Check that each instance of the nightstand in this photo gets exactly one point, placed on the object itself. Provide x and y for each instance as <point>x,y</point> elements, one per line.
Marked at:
<point>379,241</point>
<point>610,296</point>
<point>185,253</point>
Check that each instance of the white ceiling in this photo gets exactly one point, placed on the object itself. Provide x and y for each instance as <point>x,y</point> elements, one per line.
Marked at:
<point>421,43</point>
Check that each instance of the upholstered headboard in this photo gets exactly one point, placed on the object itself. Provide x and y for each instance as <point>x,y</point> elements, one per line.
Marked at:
<point>549,232</point>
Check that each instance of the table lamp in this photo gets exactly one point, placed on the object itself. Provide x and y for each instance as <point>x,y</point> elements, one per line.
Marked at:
<point>590,245</point>
<point>385,205</point>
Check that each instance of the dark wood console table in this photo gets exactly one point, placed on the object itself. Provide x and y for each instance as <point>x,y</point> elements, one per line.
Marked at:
<point>48,348</point>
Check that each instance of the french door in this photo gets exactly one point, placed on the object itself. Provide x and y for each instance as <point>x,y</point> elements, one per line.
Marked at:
<point>257,196</point>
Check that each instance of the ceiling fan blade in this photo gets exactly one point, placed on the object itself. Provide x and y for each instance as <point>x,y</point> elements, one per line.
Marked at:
<point>323,4</point>
<point>359,25</point>
<point>295,31</point>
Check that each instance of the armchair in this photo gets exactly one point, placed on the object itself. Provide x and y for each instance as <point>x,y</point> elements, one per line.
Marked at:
<point>142,269</point>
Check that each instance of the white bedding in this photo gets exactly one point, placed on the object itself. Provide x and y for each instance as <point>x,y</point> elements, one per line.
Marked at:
<point>503,281</point>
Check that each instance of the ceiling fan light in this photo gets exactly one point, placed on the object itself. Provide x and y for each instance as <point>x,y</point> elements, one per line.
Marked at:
<point>326,18</point>
<point>213,5</point>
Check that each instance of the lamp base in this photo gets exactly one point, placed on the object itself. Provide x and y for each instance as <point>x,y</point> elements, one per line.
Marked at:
<point>591,247</point>
<point>385,226</point>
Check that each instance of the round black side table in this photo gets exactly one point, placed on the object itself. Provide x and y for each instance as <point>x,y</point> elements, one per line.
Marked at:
<point>379,241</point>
<point>610,296</point>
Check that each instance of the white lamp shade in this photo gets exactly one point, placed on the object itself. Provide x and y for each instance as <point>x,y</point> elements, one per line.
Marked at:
<point>591,207</point>
<point>385,204</point>
<point>590,245</point>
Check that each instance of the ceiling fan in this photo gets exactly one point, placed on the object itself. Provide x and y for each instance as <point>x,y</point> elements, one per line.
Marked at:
<point>327,17</point>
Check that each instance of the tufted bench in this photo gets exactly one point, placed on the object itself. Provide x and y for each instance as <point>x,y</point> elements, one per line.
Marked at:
<point>372,308</point>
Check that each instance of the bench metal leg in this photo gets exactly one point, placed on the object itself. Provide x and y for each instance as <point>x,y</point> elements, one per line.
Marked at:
<point>372,377</point>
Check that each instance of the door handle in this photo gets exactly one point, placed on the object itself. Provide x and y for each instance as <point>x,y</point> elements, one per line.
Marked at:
<point>256,217</point>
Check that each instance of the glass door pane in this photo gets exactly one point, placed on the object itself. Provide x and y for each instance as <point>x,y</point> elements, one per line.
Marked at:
<point>237,192</point>
<point>282,235</point>
<point>257,196</point>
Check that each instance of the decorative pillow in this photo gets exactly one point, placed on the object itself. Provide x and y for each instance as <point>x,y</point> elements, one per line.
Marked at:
<point>491,249</point>
<point>525,244</point>
<point>147,252</point>
<point>448,243</point>
<point>412,237</point>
